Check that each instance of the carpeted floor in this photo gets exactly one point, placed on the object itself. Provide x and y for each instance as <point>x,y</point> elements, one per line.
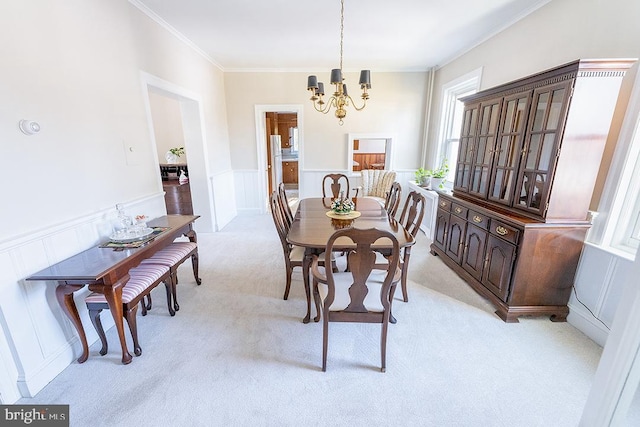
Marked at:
<point>238,354</point>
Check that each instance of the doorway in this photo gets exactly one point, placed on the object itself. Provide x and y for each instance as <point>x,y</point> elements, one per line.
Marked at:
<point>192,120</point>
<point>279,146</point>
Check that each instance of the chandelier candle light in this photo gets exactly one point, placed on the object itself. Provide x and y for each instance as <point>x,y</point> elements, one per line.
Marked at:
<point>340,98</point>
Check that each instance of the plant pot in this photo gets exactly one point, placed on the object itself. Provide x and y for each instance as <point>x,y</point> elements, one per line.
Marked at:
<point>437,183</point>
<point>171,158</point>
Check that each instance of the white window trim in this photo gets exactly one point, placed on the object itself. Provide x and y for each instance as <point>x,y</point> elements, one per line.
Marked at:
<point>620,203</point>
<point>451,91</point>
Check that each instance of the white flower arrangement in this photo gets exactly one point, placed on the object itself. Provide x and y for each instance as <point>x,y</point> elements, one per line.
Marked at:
<point>342,206</point>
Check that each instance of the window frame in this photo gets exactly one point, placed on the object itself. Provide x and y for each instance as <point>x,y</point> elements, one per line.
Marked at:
<point>616,225</point>
<point>464,85</point>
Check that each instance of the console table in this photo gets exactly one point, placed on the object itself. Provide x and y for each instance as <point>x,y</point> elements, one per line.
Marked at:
<point>106,271</point>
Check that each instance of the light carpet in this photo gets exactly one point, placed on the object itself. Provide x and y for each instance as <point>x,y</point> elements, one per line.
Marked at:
<point>238,354</point>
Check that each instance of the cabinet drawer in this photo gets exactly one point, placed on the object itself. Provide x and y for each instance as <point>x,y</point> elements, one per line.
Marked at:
<point>478,219</point>
<point>459,210</point>
<point>444,204</point>
<point>504,231</point>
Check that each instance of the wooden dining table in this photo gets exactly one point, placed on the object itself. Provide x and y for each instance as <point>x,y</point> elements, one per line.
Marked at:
<point>106,270</point>
<point>311,228</point>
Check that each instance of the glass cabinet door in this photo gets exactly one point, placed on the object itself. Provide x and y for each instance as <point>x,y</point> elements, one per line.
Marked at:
<point>489,118</point>
<point>545,125</point>
<point>466,148</point>
<point>508,147</point>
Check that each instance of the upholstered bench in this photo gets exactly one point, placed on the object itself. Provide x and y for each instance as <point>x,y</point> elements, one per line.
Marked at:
<point>142,280</point>
<point>172,256</point>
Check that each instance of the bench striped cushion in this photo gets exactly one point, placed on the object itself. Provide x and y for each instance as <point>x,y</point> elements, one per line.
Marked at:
<point>140,279</point>
<point>171,255</point>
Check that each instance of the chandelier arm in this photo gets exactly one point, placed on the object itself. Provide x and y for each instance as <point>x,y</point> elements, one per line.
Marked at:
<point>331,102</point>
<point>353,104</point>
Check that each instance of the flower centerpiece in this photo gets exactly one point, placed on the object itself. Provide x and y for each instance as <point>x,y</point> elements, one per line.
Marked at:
<point>342,206</point>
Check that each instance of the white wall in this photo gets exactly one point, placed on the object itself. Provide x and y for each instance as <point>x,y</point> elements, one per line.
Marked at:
<point>75,67</point>
<point>167,125</point>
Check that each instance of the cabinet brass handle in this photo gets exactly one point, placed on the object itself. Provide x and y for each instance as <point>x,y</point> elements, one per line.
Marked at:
<point>501,230</point>
<point>476,218</point>
<point>443,204</point>
<point>458,210</point>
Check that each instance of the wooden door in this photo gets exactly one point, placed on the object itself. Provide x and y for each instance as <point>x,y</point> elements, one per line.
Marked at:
<point>441,229</point>
<point>455,238</point>
<point>474,250</point>
<point>500,257</point>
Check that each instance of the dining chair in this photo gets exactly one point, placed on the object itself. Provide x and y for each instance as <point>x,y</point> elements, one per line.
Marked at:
<point>293,255</point>
<point>142,280</point>
<point>173,256</point>
<point>376,184</point>
<point>284,203</point>
<point>411,219</point>
<point>393,199</point>
<point>338,182</point>
<point>364,293</point>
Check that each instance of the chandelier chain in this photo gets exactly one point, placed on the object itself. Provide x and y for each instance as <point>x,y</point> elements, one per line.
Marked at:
<point>341,30</point>
<point>340,99</point>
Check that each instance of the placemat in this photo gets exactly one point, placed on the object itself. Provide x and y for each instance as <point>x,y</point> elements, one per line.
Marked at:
<point>137,243</point>
<point>350,215</point>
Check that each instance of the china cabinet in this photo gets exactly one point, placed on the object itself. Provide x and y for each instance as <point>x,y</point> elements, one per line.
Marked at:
<point>529,155</point>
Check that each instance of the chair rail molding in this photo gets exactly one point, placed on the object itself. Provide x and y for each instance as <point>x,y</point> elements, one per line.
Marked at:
<point>40,338</point>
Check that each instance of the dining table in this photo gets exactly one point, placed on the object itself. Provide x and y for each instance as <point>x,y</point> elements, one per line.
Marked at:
<point>314,224</point>
<point>105,269</point>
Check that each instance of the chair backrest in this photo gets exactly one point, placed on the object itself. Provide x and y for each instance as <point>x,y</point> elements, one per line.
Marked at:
<point>335,182</point>
<point>377,183</point>
<point>362,262</point>
<point>393,199</point>
<point>284,203</point>
<point>413,212</point>
<point>281,224</point>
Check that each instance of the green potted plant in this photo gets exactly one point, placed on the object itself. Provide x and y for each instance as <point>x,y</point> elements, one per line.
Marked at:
<point>439,175</point>
<point>422,176</point>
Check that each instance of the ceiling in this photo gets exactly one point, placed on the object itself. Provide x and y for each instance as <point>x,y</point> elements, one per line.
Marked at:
<point>304,35</point>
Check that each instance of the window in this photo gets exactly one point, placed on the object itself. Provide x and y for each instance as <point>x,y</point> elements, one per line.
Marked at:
<point>451,118</point>
<point>625,233</point>
<point>617,228</point>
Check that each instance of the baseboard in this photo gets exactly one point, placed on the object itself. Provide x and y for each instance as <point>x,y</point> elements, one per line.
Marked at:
<point>37,379</point>
<point>582,320</point>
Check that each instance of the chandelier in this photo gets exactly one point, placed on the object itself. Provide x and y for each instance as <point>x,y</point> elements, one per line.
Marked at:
<point>340,98</point>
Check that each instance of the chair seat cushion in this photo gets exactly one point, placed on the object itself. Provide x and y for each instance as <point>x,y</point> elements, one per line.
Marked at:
<point>140,279</point>
<point>343,282</point>
<point>296,254</point>
<point>172,254</point>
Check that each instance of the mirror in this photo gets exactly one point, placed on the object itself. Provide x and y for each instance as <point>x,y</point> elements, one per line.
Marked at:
<point>369,151</point>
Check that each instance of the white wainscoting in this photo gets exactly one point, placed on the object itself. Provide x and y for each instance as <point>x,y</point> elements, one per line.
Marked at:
<point>311,181</point>
<point>224,198</point>
<point>247,188</point>
<point>248,192</point>
<point>430,209</point>
<point>599,281</point>
<point>41,339</point>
